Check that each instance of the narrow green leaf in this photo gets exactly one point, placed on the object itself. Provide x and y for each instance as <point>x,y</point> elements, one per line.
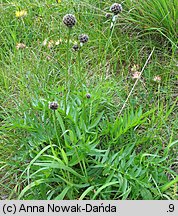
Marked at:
<point>86,192</point>
<point>103,187</point>
<point>62,194</point>
<point>64,156</point>
<point>94,123</point>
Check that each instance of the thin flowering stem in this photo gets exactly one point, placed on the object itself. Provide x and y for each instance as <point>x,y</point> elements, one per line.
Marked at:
<point>68,52</point>
<point>159,96</point>
<point>115,9</point>
<point>83,38</point>
<point>79,68</point>
<point>68,69</point>
<point>136,82</point>
<point>69,20</point>
<point>108,43</point>
<point>81,80</point>
<point>55,128</point>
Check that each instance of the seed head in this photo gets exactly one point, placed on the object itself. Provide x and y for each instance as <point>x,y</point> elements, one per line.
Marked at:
<point>88,95</point>
<point>83,38</point>
<point>53,105</point>
<point>75,47</point>
<point>69,20</point>
<point>116,8</point>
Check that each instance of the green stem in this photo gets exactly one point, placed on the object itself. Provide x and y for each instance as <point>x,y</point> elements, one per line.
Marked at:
<point>81,80</point>
<point>79,68</point>
<point>55,128</point>
<point>104,57</point>
<point>80,75</point>
<point>159,96</point>
<point>68,58</point>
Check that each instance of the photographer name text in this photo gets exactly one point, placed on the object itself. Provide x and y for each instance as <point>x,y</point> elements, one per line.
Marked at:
<point>52,208</point>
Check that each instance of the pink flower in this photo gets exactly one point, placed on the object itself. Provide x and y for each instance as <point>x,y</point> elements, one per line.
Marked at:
<point>157,79</point>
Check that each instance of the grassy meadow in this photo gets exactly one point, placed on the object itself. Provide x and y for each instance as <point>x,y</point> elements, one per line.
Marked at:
<point>88,120</point>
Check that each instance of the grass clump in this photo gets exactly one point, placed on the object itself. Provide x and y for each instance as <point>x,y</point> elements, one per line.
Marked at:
<point>156,17</point>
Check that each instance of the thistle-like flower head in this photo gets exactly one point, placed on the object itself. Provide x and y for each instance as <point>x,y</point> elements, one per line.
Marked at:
<point>75,47</point>
<point>69,20</point>
<point>116,8</point>
<point>88,95</point>
<point>83,38</point>
<point>53,105</point>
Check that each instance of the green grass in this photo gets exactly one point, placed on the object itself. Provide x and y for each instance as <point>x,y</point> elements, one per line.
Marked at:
<point>156,17</point>
<point>119,144</point>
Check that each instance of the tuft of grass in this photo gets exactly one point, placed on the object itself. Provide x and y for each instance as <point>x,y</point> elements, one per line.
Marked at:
<point>156,17</point>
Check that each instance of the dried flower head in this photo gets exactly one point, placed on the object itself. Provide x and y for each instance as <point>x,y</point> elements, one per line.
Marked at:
<point>48,57</point>
<point>88,95</point>
<point>157,79</point>
<point>83,38</point>
<point>20,46</point>
<point>21,13</point>
<point>58,42</point>
<point>116,8</point>
<point>69,20</point>
<point>75,47</point>
<point>136,75</point>
<point>53,105</point>
<point>44,43</point>
<point>135,68</point>
<point>50,44</point>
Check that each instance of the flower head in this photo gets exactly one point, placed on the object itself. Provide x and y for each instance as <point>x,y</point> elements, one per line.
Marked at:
<point>69,20</point>
<point>88,95</point>
<point>83,38</point>
<point>21,13</point>
<point>157,79</point>
<point>53,105</point>
<point>136,75</point>
<point>75,47</point>
<point>116,8</point>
